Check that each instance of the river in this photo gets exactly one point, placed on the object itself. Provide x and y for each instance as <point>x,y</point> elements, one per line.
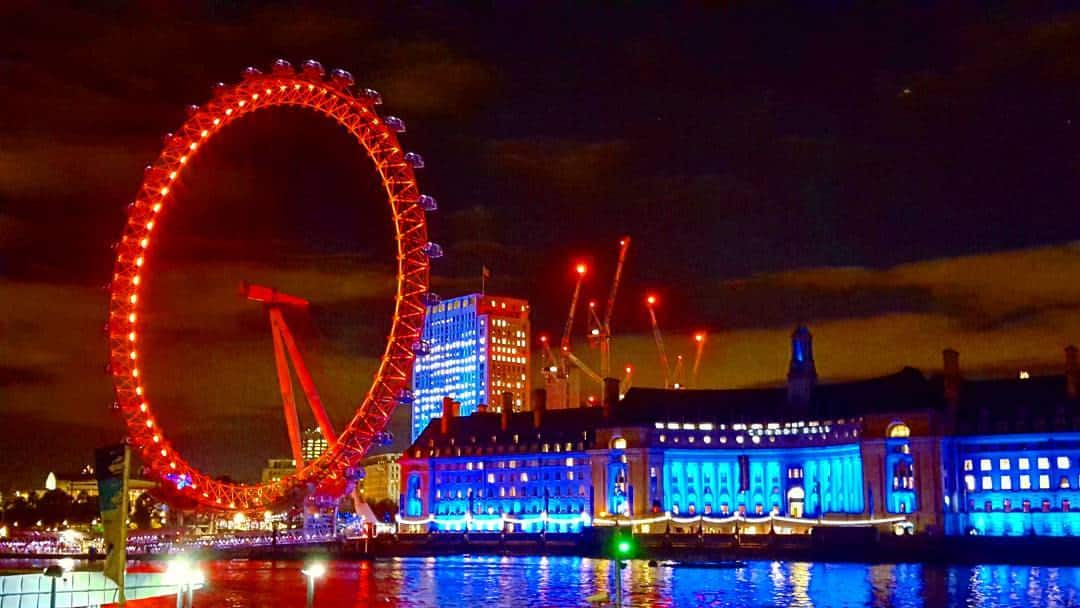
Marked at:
<point>519,582</point>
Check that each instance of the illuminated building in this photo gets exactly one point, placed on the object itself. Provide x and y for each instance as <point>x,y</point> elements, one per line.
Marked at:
<point>1014,458</point>
<point>382,478</point>
<point>84,484</point>
<point>278,468</point>
<point>475,349</point>
<point>314,444</point>
<point>945,455</point>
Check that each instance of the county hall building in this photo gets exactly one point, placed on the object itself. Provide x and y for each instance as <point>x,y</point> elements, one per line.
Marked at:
<point>944,455</point>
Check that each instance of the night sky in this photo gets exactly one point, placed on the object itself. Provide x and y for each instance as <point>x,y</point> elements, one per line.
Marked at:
<point>900,180</point>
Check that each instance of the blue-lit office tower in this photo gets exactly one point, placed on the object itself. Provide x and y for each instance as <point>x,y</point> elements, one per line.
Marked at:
<point>477,348</point>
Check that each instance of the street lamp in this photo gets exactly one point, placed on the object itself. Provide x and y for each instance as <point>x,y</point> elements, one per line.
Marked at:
<point>184,575</point>
<point>58,571</point>
<point>313,571</point>
<point>623,547</point>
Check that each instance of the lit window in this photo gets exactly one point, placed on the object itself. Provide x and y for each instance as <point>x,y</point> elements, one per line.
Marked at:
<point>619,443</point>
<point>968,465</point>
<point>1025,482</point>
<point>491,478</point>
<point>1023,464</point>
<point>969,481</point>
<point>1044,482</point>
<point>1006,482</point>
<point>1004,464</point>
<point>1063,462</point>
<point>1044,463</point>
<point>984,464</point>
<point>1064,483</point>
<point>524,477</point>
<point>987,483</point>
<point>899,429</point>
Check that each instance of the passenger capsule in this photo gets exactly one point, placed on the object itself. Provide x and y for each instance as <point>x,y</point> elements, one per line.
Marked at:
<point>281,67</point>
<point>251,72</point>
<point>372,95</point>
<point>433,250</point>
<point>313,68</point>
<point>341,78</point>
<point>415,160</point>
<point>395,123</point>
<point>428,203</point>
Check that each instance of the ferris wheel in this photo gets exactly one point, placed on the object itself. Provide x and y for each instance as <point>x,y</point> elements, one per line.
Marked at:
<point>337,98</point>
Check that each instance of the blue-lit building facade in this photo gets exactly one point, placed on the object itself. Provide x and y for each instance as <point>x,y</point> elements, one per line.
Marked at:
<point>1015,455</point>
<point>939,452</point>
<point>474,349</point>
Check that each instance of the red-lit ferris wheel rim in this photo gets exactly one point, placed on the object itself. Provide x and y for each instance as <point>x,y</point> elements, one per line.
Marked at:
<point>335,98</point>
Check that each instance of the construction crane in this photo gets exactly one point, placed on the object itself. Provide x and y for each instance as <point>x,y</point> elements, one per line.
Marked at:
<point>581,269</point>
<point>599,332</point>
<point>578,363</point>
<point>605,327</point>
<point>285,350</point>
<point>699,340</point>
<point>650,303</point>
<point>676,376</point>
<point>553,367</point>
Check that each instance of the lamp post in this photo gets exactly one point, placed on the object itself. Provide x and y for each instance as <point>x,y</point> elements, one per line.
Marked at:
<point>313,571</point>
<point>61,568</point>
<point>185,576</point>
<point>623,548</point>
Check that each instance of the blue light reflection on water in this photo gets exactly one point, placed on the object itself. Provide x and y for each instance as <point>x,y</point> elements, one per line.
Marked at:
<point>475,581</point>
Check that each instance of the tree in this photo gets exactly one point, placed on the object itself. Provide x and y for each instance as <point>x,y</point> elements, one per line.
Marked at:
<point>54,507</point>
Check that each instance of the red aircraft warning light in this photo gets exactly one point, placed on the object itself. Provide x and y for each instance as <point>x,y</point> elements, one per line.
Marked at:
<point>650,300</point>
<point>581,268</point>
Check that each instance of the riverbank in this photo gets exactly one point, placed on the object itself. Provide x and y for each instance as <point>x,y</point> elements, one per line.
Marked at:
<point>855,545</point>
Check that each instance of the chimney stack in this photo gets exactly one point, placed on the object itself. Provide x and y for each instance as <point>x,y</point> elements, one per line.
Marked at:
<point>539,404</point>
<point>447,412</point>
<point>505,410</point>
<point>1072,372</point>
<point>611,396</point>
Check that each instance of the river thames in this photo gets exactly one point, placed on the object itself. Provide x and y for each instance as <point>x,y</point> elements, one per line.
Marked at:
<point>477,581</point>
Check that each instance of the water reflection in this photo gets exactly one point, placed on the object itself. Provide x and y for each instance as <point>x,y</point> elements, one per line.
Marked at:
<point>474,581</point>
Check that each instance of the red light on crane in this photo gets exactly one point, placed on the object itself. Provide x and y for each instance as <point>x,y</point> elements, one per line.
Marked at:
<point>592,303</point>
<point>629,370</point>
<point>650,300</point>
<point>699,337</point>
<point>543,338</point>
<point>581,268</point>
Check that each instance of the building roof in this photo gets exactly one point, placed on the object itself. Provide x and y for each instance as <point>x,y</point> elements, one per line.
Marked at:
<point>1012,405</point>
<point>905,390</point>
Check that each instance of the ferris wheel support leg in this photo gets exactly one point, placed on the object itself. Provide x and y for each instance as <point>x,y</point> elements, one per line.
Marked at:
<point>307,384</point>
<point>292,421</point>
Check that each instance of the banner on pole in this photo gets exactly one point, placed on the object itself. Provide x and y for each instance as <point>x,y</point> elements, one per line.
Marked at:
<point>111,467</point>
